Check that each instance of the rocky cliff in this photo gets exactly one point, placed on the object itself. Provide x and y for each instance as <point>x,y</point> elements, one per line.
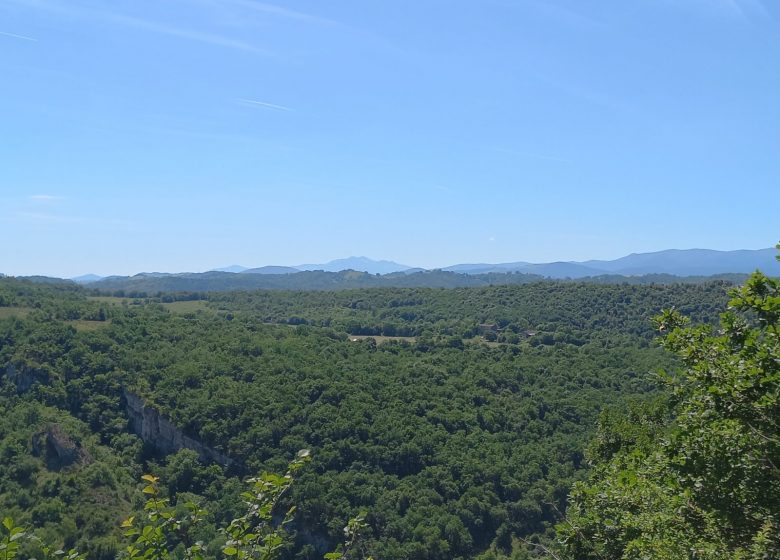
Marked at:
<point>154,428</point>
<point>59,448</point>
<point>24,376</point>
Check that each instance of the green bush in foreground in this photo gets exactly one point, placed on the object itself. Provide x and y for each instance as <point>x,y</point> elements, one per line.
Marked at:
<point>706,483</point>
<point>165,531</point>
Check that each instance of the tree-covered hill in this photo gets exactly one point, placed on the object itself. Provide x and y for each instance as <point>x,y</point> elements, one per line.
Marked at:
<point>144,285</point>
<point>458,440</point>
<point>695,475</point>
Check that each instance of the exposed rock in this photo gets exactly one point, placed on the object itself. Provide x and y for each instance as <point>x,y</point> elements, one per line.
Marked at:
<point>58,448</point>
<point>154,428</point>
<point>23,376</point>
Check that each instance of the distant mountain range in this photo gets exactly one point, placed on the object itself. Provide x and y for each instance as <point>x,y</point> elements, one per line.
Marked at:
<point>673,262</point>
<point>87,279</point>
<point>688,262</point>
<point>233,268</point>
<point>271,270</point>
<point>361,264</point>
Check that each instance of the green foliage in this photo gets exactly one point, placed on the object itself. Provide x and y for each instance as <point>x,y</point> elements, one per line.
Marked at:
<point>259,534</point>
<point>163,532</point>
<point>11,535</point>
<point>164,527</point>
<point>255,535</point>
<point>170,287</point>
<point>708,484</point>
<point>567,312</point>
<point>55,475</point>
<point>353,531</point>
<point>455,446</point>
<point>13,538</point>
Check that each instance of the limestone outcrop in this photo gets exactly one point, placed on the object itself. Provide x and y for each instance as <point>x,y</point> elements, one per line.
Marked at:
<point>24,376</point>
<point>58,448</point>
<point>157,430</point>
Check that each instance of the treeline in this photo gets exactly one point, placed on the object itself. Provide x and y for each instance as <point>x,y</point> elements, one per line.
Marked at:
<point>565,311</point>
<point>152,285</point>
<point>696,474</point>
<point>307,280</point>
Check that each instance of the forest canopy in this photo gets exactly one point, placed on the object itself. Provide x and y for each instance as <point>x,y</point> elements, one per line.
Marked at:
<point>456,418</point>
<point>698,476</point>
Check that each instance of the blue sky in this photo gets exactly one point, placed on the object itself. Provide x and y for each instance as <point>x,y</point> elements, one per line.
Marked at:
<point>190,134</point>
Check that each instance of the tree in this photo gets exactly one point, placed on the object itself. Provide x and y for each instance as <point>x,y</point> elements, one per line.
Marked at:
<point>705,484</point>
<point>165,531</point>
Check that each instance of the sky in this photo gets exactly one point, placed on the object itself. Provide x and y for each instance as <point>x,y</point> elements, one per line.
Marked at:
<point>185,135</point>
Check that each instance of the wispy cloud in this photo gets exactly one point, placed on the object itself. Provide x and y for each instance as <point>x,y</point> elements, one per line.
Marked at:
<point>71,9</point>
<point>48,218</point>
<point>554,11</point>
<point>530,155</point>
<point>564,14</point>
<point>264,104</point>
<point>51,218</point>
<point>273,9</point>
<point>747,9</point>
<point>45,197</point>
<point>183,33</point>
<point>17,36</point>
<point>742,10</point>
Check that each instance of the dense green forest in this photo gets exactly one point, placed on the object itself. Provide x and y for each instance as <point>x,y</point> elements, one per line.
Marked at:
<point>457,418</point>
<point>694,474</point>
<point>145,284</point>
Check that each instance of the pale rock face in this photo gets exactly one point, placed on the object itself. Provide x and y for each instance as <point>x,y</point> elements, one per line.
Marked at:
<point>22,376</point>
<point>65,448</point>
<point>154,428</point>
<point>146,421</point>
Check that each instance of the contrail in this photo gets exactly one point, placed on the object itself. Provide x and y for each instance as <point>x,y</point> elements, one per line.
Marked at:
<point>279,11</point>
<point>182,33</point>
<point>15,36</point>
<point>264,104</point>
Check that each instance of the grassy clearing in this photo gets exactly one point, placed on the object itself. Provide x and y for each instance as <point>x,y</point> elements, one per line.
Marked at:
<point>481,340</point>
<point>86,326</point>
<point>173,307</point>
<point>413,339</point>
<point>109,299</point>
<point>186,306</point>
<point>6,312</point>
<point>382,339</point>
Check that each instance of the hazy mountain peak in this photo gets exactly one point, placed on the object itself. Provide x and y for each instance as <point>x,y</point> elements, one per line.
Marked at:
<point>271,269</point>
<point>86,278</point>
<point>691,262</point>
<point>361,264</point>
<point>232,268</point>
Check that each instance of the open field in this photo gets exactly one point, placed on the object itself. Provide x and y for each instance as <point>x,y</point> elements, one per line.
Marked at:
<point>14,312</point>
<point>413,339</point>
<point>110,299</point>
<point>481,340</point>
<point>173,307</point>
<point>186,306</point>
<point>382,339</point>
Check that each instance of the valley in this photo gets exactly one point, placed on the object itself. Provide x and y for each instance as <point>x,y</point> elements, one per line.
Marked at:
<point>458,419</point>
